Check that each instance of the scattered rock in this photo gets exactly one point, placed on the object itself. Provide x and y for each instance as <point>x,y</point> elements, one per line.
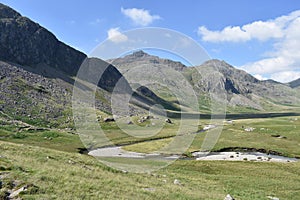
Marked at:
<point>71,162</point>
<point>168,121</point>
<point>273,198</point>
<point>147,117</point>
<point>228,197</point>
<point>15,193</point>
<point>279,136</point>
<point>149,189</point>
<point>249,129</point>
<point>208,127</point>
<point>108,119</point>
<point>177,182</point>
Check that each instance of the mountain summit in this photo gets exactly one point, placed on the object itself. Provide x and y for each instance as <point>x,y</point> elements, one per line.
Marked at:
<point>142,58</point>
<point>213,76</point>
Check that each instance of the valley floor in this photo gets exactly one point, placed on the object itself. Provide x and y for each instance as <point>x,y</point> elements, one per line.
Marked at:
<point>46,165</point>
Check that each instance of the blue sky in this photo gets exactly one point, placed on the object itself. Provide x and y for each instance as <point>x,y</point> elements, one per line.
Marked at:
<point>261,37</point>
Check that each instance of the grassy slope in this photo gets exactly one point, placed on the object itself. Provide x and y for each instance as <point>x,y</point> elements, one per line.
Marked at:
<point>55,170</point>
<point>61,175</point>
<point>234,135</point>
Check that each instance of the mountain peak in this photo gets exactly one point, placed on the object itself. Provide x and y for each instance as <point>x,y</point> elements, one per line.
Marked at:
<point>7,12</point>
<point>217,63</point>
<point>142,58</point>
<point>139,54</point>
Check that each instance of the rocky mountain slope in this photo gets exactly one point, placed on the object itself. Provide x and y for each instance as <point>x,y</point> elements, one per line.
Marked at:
<point>214,76</point>
<point>37,75</point>
<point>295,83</point>
<point>27,43</point>
<point>37,70</point>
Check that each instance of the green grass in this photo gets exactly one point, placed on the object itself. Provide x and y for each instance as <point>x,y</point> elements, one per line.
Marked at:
<point>53,139</point>
<point>234,135</point>
<point>60,175</point>
<point>49,163</point>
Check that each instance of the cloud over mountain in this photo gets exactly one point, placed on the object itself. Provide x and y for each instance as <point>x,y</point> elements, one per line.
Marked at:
<point>283,32</point>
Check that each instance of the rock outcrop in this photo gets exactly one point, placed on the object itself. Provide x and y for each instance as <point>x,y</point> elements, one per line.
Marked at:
<point>25,42</point>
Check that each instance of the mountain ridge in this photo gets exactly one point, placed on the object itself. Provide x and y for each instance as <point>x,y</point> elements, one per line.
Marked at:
<point>214,76</point>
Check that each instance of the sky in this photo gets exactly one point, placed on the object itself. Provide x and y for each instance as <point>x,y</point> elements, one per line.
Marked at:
<point>261,37</point>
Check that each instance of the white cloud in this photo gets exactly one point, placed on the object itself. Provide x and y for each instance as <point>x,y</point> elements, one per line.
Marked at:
<point>116,36</point>
<point>286,76</point>
<point>279,62</point>
<point>260,30</point>
<point>259,77</point>
<point>228,34</point>
<point>268,65</point>
<point>140,16</point>
<point>257,30</point>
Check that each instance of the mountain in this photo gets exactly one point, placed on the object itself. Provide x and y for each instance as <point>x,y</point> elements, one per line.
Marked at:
<point>37,70</point>
<point>243,91</point>
<point>27,43</point>
<point>37,76</point>
<point>295,83</point>
<point>141,58</point>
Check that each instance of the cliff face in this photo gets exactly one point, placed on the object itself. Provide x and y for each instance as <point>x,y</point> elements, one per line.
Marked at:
<point>25,42</point>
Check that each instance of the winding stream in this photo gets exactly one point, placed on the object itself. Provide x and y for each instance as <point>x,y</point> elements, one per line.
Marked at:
<point>118,152</point>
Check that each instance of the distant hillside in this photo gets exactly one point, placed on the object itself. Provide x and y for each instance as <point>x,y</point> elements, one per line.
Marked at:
<point>244,92</point>
<point>295,83</point>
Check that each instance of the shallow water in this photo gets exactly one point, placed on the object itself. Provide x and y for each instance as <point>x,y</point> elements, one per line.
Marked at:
<point>226,156</point>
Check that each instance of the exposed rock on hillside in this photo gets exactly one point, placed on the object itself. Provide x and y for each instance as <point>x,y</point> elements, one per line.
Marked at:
<point>295,83</point>
<point>27,43</point>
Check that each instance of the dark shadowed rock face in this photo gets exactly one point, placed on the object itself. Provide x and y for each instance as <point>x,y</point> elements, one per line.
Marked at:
<point>295,83</point>
<point>104,75</point>
<point>27,43</point>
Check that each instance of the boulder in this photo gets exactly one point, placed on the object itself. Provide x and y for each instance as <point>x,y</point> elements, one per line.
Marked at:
<point>108,119</point>
<point>228,197</point>
<point>273,198</point>
<point>168,121</point>
<point>15,193</point>
<point>177,182</point>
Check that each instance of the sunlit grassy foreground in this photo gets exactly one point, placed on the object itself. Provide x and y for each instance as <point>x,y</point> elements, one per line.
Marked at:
<point>61,175</point>
<point>48,163</point>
